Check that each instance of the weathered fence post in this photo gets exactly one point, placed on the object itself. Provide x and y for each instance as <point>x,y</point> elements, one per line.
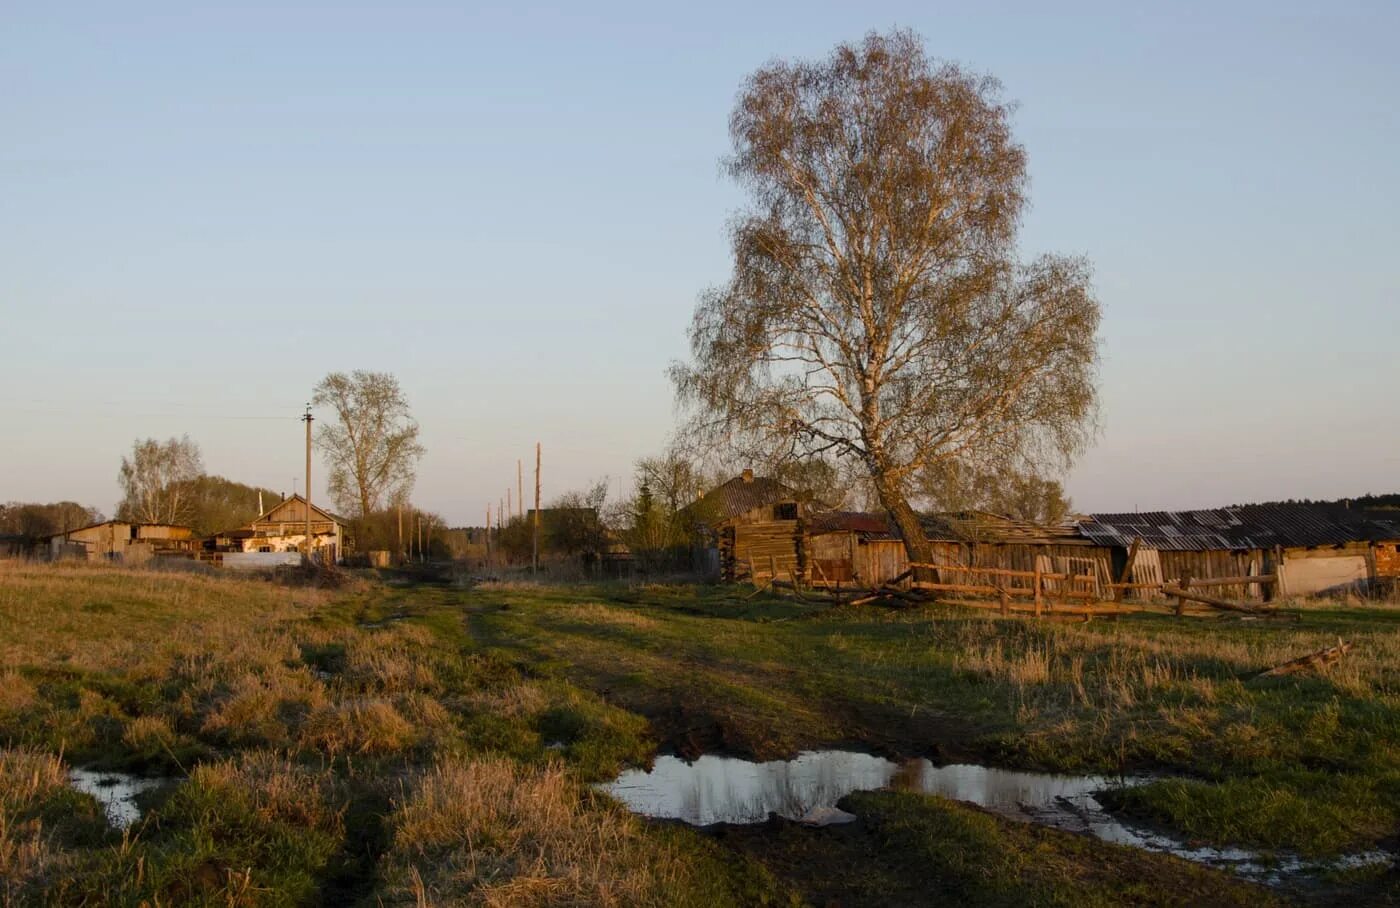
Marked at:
<point>1181,600</point>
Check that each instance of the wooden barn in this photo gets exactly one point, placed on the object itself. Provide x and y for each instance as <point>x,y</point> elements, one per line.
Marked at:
<point>984,540</point>
<point>867,549</point>
<point>119,540</point>
<point>749,528</point>
<point>1311,549</point>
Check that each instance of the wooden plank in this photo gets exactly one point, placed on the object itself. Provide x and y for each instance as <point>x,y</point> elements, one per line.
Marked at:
<point>1311,662</point>
<point>1183,593</point>
<point>1127,568</point>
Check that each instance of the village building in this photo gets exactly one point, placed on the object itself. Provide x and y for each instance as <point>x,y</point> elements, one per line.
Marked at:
<point>123,541</point>
<point>750,528</point>
<point>1310,549</point>
<point>867,548</point>
<point>281,531</point>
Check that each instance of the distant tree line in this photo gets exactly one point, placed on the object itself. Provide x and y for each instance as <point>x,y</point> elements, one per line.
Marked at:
<point>33,522</point>
<point>1368,502</point>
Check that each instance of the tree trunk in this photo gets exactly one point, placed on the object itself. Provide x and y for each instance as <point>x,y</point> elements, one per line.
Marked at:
<point>911,530</point>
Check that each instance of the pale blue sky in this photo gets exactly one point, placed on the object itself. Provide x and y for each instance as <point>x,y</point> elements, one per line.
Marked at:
<point>204,210</point>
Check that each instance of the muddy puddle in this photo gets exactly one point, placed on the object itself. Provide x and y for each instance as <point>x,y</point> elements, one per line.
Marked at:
<point>727,790</point>
<point>116,792</point>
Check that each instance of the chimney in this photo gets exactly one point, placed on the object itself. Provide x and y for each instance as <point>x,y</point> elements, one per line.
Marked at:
<point>748,476</point>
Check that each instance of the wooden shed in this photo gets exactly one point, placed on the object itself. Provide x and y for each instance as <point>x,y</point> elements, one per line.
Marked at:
<point>866,548</point>
<point>854,547</point>
<point>124,541</point>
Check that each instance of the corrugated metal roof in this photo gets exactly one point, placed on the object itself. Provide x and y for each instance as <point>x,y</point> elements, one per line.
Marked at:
<point>1247,527</point>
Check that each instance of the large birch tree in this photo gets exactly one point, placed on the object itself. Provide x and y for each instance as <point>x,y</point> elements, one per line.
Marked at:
<point>878,313</point>
<point>371,446</point>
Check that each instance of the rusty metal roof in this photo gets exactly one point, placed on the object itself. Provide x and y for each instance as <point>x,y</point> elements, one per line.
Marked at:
<point>863,523</point>
<point>1247,527</point>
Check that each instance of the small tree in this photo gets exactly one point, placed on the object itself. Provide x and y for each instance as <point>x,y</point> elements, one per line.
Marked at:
<point>877,311</point>
<point>157,480</point>
<point>372,447</point>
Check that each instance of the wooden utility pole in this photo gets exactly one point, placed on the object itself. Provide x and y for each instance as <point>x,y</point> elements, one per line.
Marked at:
<point>400,509</point>
<point>519,487</point>
<point>535,547</point>
<point>489,562</point>
<point>509,510</point>
<point>307,419</point>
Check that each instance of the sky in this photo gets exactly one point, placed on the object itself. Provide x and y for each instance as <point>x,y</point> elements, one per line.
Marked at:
<point>205,208</point>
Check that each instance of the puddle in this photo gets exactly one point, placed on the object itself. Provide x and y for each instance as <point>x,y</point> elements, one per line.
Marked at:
<point>116,792</point>
<point>728,790</point>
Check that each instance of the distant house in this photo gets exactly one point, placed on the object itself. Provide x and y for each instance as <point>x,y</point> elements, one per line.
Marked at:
<point>1313,549</point>
<point>117,540</point>
<point>282,529</point>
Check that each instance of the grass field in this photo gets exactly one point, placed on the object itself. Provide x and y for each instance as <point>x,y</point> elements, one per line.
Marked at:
<point>392,744</point>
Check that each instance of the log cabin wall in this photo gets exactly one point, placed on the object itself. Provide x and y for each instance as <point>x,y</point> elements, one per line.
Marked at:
<point>753,544</point>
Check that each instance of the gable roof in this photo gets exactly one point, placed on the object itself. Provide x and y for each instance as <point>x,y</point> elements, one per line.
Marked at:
<point>1246,527</point>
<point>737,496</point>
<point>327,515</point>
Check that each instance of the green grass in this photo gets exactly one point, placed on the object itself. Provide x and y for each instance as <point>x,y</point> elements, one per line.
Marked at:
<point>1310,764</point>
<point>432,744</point>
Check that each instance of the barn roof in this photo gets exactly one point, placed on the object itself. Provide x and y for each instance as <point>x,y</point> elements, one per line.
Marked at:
<point>127,523</point>
<point>984,526</point>
<point>960,526</point>
<point>1245,527</point>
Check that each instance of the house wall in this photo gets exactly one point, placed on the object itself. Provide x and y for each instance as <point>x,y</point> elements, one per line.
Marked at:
<point>760,548</point>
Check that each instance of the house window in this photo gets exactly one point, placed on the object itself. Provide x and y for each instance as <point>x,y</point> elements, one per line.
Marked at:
<point>264,548</point>
<point>134,529</point>
<point>786,511</point>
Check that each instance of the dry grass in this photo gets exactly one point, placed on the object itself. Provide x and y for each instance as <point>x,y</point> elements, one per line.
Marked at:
<point>489,832</point>
<point>27,780</point>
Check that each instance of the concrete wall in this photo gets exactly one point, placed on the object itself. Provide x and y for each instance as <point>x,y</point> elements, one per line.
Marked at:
<point>259,561</point>
<point>1311,572</point>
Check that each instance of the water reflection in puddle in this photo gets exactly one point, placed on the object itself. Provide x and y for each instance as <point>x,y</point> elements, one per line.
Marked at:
<point>727,790</point>
<point>116,792</point>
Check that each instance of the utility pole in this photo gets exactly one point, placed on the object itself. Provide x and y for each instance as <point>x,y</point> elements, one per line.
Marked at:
<point>510,511</point>
<point>519,487</point>
<point>489,562</point>
<point>307,419</point>
<point>536,541</point>
<point>400,509</point>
